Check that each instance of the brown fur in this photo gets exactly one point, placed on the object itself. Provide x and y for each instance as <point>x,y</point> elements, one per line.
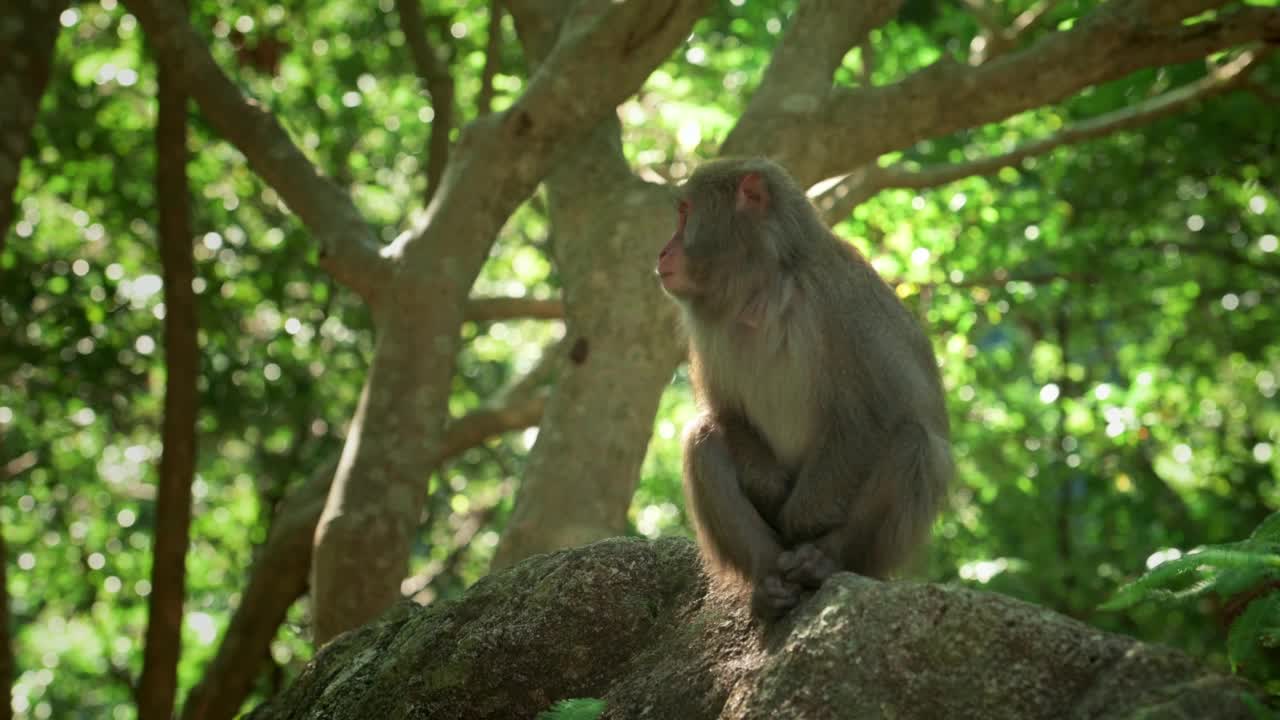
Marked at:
<point>823,423</point>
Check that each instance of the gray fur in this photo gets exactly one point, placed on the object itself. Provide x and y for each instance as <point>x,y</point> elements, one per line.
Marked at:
<point>823,422</point>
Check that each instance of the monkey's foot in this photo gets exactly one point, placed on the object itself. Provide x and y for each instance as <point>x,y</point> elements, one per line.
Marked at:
<point>773,597</point>
<point>805,565</point>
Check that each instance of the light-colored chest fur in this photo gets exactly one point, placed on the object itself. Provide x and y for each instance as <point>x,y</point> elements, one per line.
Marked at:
<point>768,374</point>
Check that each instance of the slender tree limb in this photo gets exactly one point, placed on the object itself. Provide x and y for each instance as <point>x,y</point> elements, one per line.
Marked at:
<point>438,82</point>
<point>1219,80</point>
<point>19,465</point>
<point>535,381</point>
<point>492,58</point>
<point>492,309</point>
<point>348,249</point>
<point>157,687</point>
<point>868,65</point>
<point>7,663</point>
<point>278,576</point>
<point>477,426</point>
<point>417,587</point>
<point>604,51</point>
<point>836,198</point>
<point>1031,17</point>
<point>987,17</point>
<point>28,31</point>
<point>856,125</point>
<point>817,38</point>
<point>837,202</point>
<point>1226,254</point>
<point>1171,11</point>
<point>996,39</point>
<point>1263,92</point>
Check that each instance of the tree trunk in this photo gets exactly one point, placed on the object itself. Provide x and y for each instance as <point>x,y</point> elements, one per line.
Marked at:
<point>624,343</point>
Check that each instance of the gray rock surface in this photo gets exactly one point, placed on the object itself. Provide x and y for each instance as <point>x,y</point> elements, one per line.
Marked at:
<point>633,622</point>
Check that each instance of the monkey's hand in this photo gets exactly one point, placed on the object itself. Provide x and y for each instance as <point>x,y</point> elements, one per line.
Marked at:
<point>806,565</point>
<point>772,596</point>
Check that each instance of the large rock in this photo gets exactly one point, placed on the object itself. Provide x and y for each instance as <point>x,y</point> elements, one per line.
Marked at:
<point>632,622</point>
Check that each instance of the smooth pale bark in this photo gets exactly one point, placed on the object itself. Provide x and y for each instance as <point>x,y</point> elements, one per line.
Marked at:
<point>417,287</point>
<point>622,334</point>
<point>823,133</point>
<point>624,342</point>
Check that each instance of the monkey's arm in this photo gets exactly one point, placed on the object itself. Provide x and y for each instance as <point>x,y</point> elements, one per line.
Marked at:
<point>729,477</point>
<point>865,517</point>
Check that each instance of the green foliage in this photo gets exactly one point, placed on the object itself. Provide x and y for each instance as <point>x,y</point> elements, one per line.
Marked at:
<point>574,709</point>
<point>1106,315</point>
<point>1243,578</point>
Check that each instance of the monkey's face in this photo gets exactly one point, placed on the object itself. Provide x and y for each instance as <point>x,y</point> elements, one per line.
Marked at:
<point>673,263</point>
<point>720,252</point>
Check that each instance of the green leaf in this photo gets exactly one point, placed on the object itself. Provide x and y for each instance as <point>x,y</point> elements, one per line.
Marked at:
<point>574,709</point>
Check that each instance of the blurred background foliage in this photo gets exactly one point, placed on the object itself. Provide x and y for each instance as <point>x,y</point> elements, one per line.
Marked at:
<point>1107,317</point>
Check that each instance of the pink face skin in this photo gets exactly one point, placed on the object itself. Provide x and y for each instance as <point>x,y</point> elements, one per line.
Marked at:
<point>672,270</point>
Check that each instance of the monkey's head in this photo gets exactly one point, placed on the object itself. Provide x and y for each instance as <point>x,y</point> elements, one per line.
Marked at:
<point>740,223</point>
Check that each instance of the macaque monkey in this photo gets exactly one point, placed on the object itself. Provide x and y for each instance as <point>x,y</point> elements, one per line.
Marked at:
<point>823,442</point>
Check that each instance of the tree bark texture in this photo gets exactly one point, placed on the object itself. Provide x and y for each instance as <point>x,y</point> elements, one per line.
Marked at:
<point>27,33</point>
<point>622,340</point>
<point>364,535</point>
<point>625,342</point>
<point>157,687</point>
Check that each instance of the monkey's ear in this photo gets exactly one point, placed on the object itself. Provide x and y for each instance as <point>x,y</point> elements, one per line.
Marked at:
<point>752,192</point>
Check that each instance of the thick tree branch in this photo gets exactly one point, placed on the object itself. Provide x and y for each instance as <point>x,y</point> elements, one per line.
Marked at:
<point>604,52</point>
<point>436,80</point>
<point>537,24</point>
<point>492,309</point>
<point>858,124</point>
<point>838,201</point>
<point>348,249</point>
<point>157,688</point>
